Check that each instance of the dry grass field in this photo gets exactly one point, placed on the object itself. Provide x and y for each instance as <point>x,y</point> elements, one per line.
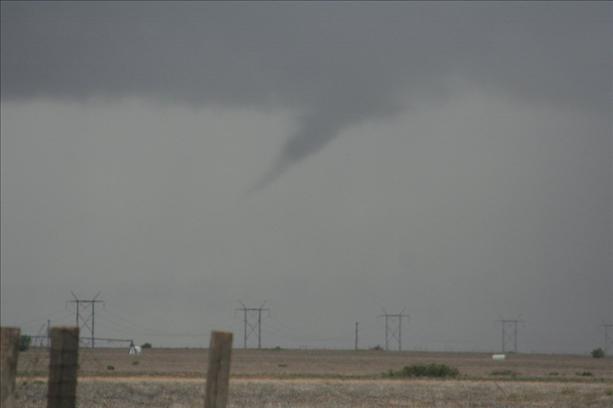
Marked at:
<point>325,378</point>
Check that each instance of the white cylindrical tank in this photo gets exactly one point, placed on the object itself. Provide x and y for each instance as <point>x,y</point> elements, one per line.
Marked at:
<point>499,357</point>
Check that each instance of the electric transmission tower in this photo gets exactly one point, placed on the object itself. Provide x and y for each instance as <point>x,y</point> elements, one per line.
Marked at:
<point>608,338</point>
<point>509,331</point>
<point>393,328</point>
<point>85,315</point>
<point>252,321</point>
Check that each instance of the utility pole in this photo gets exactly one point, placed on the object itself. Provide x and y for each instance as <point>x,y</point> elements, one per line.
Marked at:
<point>77,301</point>
<point>391,332</point>
<point>509,334</point>
<point>249,326</point>
<point>386,331</point>
<point>93,322</point>
<point>608,339</point>
<point>83,320</point>
<point>356,335</point>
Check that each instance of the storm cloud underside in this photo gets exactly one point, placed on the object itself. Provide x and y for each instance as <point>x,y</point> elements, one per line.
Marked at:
<point>332,66</point>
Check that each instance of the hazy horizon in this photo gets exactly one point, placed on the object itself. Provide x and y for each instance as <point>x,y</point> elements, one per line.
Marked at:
<point>334,160</point>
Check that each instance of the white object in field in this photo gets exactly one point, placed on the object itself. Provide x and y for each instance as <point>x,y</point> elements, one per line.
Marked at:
<point>499,357</point>
<point>135,350</point>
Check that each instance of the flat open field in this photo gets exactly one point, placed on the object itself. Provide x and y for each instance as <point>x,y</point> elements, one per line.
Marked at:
<point>325,378</point>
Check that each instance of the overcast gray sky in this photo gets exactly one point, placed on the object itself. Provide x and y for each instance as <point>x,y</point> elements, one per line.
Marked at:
<point>332,159</point>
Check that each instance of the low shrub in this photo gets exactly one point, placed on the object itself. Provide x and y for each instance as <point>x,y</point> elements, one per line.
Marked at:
<point>24,342</point>
<point>585,374</point>
<point>425,370</point>
<point>504,373</point>
<point>598,353</point>
<point>146,346</point>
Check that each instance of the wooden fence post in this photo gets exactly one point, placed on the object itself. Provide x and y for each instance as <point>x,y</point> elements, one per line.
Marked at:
<point>9,351</point>
<point>63,364</point>
<point>218,373</point>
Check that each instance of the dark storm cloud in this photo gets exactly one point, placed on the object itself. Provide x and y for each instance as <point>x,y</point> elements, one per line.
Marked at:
<point>333,65</point>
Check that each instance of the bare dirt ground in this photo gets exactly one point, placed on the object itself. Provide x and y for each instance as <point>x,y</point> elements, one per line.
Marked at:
<point>322,378</point>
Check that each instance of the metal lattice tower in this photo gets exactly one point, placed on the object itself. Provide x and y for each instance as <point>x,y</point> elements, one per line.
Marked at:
<point>85,316</point>
<point>393,328</point>
<point>608,338</point>
<point>509,332</point>
<point>252,321</point>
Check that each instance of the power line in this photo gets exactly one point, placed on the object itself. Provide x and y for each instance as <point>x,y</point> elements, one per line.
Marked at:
<point>289,333</point>
<point>41,319</point>
<point>130,329</point>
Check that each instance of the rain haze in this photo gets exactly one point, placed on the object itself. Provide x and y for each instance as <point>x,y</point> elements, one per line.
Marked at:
<point>334,160</point>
